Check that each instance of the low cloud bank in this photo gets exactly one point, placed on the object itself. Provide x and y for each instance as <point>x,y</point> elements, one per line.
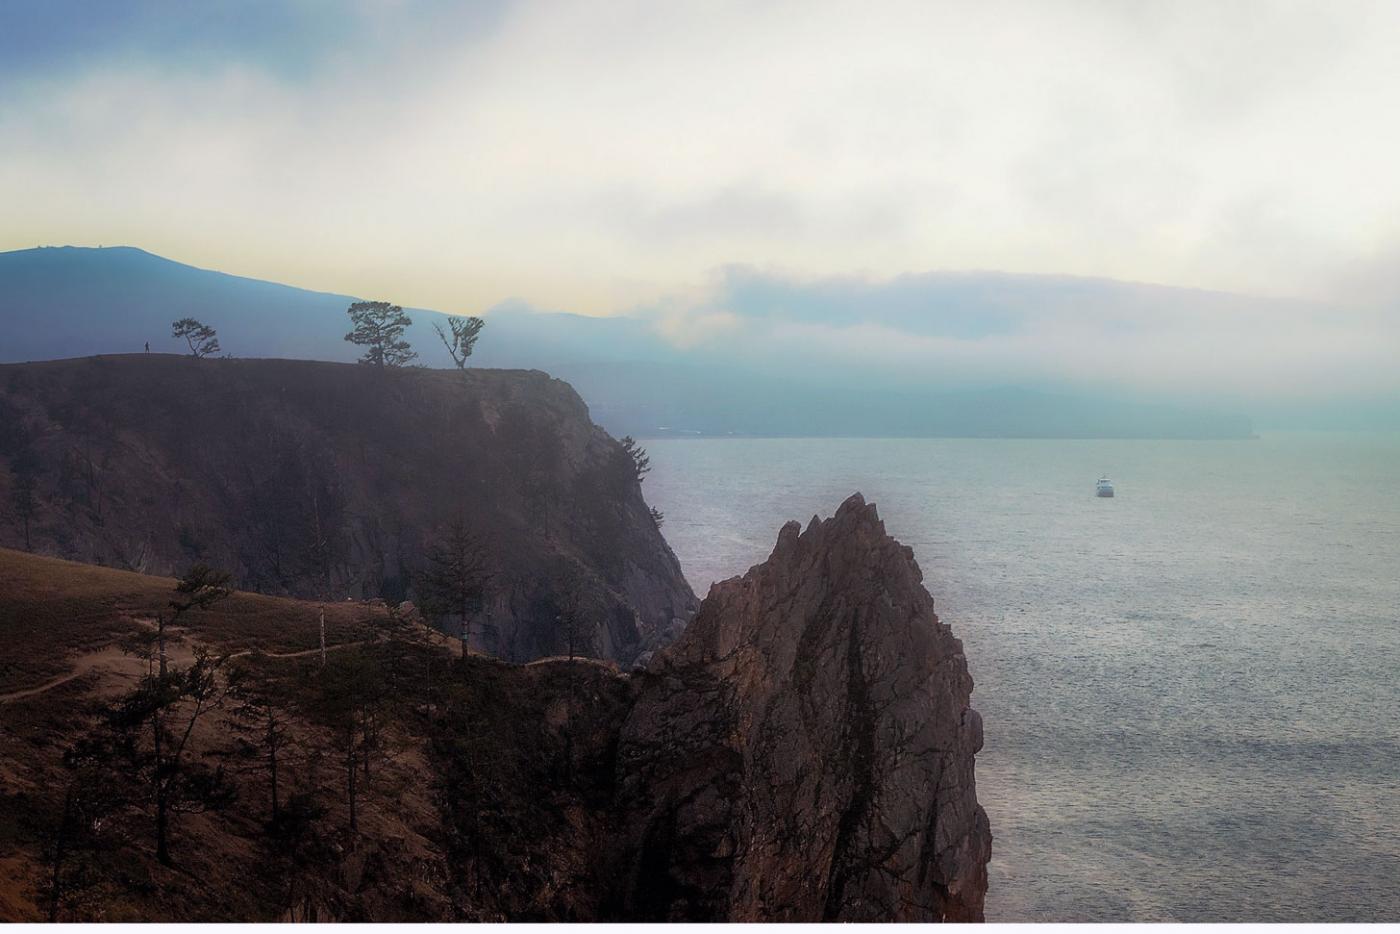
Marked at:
<point>988,329</point>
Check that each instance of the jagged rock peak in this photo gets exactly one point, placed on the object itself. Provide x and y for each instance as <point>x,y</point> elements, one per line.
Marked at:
<point>805,750</point>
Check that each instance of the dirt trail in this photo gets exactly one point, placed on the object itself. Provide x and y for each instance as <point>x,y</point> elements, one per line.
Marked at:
<point>109,657</point>
<point>112,657</point>
<point>303,653</point>
<point>577,659</point>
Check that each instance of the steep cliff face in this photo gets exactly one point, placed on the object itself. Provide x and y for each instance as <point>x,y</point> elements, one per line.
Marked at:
<point>333,481</point>
<point>805,750</point>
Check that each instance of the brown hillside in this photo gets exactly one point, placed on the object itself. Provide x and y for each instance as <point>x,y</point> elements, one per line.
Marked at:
<point>62,628</point>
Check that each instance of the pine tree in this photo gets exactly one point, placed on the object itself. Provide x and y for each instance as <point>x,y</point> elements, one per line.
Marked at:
<point>379,327</point>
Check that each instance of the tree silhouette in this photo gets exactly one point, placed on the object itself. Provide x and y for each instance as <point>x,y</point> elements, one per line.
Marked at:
<point>259,720</point>
<point>200,337</point>
<point>379,327</point>
<point>456,577</point>
<point>641,463</point>
<point>169,703</point>
<point>465,331</point>
<point>351,693</point>
<point>84,830</point>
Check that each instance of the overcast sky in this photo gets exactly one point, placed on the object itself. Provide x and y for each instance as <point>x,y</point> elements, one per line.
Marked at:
<point>604,156</point>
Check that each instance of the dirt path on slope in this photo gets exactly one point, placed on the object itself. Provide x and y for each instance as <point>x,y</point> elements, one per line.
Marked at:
<point>113,657</point>
<point>303,653</point>
<point>107,658</point>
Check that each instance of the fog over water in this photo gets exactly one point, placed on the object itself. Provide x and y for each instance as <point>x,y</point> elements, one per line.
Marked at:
<point>1189,690</point>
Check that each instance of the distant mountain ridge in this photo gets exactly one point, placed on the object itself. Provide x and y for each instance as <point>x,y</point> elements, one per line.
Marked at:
<point>58,302</point>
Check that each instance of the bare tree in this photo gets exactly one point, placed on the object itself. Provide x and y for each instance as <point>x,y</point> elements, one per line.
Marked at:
<point>200,337</point>
<point>465,331</point>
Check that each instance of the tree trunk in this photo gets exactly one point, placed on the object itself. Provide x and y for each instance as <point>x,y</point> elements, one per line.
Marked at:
<point>428,684</point>
<point>272,769</point>
<point>160,633</point>
<point>351,767</point>
<point>157,737</point>
<point>323,635</point>
<point>60,852</point>
<point>163,829</point>
<point>365,743</point>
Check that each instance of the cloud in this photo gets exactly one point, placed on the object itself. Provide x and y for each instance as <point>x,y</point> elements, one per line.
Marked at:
<point>991,329</point>
<point>599,157</point>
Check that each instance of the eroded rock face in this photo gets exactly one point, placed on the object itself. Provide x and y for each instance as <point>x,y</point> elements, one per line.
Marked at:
<point>805,750</point>
<point>328,480</point>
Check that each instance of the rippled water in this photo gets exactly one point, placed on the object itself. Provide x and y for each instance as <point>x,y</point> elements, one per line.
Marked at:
<point>1191,691</point>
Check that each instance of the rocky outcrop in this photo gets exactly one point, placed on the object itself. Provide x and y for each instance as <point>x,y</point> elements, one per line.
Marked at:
<point>805,751</point>
<point>333,481</point>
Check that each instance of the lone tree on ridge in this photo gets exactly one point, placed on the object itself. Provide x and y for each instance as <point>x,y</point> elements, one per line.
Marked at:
<point>379,327</point>
<point>465,331</point>
<point>201,337</point>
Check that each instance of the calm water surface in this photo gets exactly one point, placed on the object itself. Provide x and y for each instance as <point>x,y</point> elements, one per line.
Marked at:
<point>1191,691</point>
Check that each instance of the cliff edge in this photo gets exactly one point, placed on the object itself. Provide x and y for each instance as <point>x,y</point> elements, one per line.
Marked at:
<point>334,481</point>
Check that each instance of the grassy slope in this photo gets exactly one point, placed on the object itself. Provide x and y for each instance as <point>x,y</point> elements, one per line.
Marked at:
<point>52,610</point>
<point>517,835</point>
<point>59,617</point>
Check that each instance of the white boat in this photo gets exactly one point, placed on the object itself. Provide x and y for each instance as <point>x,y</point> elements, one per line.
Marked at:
<point>1105,487</point>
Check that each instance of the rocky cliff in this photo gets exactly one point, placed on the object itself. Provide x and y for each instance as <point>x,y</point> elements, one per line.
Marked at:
<point>332,481</point>
<point>805,751</point>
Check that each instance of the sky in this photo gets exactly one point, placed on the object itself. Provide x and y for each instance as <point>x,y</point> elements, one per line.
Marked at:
<point>624,157</point>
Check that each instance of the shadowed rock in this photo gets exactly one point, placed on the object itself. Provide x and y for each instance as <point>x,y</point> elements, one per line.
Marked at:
<point>333,481</point>
<point>805,750</point>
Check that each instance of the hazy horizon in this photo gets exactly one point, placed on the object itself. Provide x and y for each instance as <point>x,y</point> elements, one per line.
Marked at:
<point>897,191</point>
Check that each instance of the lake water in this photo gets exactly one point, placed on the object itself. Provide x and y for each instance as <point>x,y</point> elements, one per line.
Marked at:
<point>1191,691</point>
